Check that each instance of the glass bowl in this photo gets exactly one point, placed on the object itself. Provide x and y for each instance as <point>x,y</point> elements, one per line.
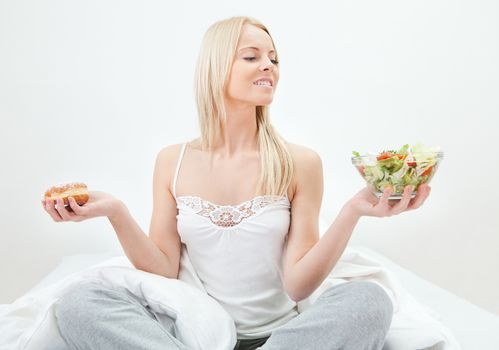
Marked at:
<point>397,170</point>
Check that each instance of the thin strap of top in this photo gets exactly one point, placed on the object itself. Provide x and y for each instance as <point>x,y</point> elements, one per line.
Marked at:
<point>176,171</point>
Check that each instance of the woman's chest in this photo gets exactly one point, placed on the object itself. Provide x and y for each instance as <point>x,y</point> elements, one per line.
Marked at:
<point>252,225</point>
<point>224,182</point>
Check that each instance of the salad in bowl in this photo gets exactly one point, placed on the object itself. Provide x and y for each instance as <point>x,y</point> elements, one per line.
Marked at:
<point>414,166</point>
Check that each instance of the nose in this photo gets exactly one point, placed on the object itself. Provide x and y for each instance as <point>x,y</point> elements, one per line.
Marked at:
<point>267,65</point>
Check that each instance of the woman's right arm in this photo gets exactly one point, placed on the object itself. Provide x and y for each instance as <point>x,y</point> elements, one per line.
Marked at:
<point>158,253</point>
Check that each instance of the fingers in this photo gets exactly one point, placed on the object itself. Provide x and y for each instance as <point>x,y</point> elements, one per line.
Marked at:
<point>383,206</point>
<point>49,208</point>
<point>63,212</point>
<point>386,209</point>
<point>385,198</point>
<point>59,212</point>
<point>402,204</point>
<point>76,207</point>
<point>423,193</point>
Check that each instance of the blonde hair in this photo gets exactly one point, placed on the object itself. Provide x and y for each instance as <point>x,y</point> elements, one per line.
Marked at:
<point>212,73</point>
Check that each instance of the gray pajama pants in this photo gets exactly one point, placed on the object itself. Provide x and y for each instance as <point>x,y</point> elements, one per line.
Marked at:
<point>350,316</point>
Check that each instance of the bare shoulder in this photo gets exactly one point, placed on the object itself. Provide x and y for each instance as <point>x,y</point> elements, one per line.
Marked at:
<point>303,155</point>
<point>169,153</point>
<point>166,161</point>
<point>172,152</point>
<point>307,166</point>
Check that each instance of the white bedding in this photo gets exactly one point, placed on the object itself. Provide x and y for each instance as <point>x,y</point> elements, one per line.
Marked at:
<point>28,323</point>
<point>473,327</point>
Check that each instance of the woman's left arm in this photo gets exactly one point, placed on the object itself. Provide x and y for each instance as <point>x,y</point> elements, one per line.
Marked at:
<point>307,259</point>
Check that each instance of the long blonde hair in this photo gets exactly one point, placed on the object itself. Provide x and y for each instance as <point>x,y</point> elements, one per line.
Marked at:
<point>212,73</point>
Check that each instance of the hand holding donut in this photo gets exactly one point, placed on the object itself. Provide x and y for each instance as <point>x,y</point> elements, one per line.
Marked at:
<point>73,202</point>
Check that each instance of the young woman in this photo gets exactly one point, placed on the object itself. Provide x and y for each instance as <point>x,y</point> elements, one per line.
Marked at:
<point>245,204</point>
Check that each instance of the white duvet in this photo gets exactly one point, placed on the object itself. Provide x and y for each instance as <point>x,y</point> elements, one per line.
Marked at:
<point>29,324</point>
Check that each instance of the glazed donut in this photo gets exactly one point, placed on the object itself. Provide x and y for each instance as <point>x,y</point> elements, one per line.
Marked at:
<point>77,190</point>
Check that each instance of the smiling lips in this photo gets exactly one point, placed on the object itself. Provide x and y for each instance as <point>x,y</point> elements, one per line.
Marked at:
<point>265,82</point>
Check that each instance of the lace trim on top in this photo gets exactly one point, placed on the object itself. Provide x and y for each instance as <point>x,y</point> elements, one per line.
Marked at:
<point>228,215</point>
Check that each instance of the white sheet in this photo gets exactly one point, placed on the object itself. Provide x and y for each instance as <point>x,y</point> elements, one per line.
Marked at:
<point>474,328</point>
<point>28,323</point>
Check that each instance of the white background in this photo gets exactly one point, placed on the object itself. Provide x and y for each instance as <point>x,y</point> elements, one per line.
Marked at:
<point>92,90</point>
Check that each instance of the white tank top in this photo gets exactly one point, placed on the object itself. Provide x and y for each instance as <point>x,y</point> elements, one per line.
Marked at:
<point>237,253</point>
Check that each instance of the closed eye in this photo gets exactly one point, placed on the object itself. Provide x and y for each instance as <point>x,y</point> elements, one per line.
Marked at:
<point>276,62</point>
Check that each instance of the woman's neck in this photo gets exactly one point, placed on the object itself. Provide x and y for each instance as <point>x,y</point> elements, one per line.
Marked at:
<point>240,133</point>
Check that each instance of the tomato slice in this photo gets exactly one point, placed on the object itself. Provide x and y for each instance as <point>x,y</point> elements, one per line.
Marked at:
<point>387,155</point>
<point>427,171</point>
<point>411,164</point>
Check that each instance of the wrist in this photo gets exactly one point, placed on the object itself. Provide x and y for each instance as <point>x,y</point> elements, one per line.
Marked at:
<point>116,210</point>
<point>351,210</point>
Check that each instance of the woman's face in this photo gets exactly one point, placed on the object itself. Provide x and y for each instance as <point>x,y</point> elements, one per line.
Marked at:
<point>254,74</point>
